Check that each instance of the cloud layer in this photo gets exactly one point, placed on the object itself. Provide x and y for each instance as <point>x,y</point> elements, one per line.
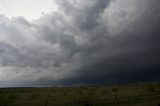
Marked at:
<point>84,42</point>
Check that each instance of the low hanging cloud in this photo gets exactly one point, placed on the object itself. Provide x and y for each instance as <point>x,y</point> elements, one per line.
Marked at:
<point>84,42</point>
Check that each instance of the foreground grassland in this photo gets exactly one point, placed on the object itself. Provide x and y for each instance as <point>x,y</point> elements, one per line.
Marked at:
<point>123,95</point>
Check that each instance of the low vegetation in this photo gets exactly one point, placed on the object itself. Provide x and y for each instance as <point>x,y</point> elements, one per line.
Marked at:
<point>122,95</point>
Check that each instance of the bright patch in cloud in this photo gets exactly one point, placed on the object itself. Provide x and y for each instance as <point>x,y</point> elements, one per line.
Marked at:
<point>30,9</point>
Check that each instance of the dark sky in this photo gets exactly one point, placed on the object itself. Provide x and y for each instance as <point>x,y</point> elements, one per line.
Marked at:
<point>84,42</point>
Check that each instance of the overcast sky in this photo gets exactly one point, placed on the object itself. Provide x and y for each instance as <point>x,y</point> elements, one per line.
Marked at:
<point>74,42</point>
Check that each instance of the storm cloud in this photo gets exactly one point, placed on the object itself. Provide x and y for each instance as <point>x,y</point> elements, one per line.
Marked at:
<point>84,42</point>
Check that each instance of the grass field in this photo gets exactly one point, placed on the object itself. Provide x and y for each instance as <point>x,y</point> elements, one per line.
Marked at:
<point>122,95</point>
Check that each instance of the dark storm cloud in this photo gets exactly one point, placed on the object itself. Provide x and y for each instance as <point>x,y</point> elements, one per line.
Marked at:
<point>84,15</point>
<point>93,41</point>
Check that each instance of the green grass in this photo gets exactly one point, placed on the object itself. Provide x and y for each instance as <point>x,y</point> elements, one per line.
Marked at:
<point>123,95</point>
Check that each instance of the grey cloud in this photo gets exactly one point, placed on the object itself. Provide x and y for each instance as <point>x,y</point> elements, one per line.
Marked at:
<point>83,42</point>
<point>84,13</point>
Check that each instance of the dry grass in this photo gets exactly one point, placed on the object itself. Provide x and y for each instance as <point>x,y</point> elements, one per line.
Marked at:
<point>124,95</point>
